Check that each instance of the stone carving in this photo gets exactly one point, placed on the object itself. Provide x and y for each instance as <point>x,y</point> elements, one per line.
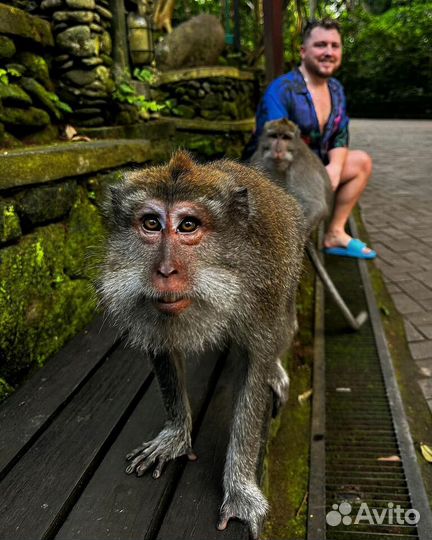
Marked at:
<point>196,42</point>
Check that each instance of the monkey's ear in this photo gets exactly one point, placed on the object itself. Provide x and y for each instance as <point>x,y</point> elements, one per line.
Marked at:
<point>112,204</point>
<point>180,163</point>
<point>240,202</point>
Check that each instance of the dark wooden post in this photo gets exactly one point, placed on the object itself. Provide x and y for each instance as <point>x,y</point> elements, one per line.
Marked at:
<point>273,38</point>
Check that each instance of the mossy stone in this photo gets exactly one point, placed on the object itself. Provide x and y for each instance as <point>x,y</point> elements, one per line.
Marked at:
<point>79,41</point>
<point>184,111</point>
<point>7,47</point>
<point>42,95</point>
<point>40,307</point>
<point>12,94</point>
<point>32,117</point>
<point>17,22</point>
<point>46,203</point>
<point>10,228</point>
<point>5,389</point>
<point>81,4</point>
<point>84,230</point>
<point>36,68</point>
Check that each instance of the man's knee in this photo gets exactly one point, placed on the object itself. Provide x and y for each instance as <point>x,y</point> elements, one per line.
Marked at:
<point>365,162</point>
<point>357,165</point>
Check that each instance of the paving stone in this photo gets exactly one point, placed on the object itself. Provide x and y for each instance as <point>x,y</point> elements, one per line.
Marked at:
<point>412,333</point>
<point>426,304</point>
<point>421,349</point>
<point>425,367</point>
<point>405,304</point>
<point>393,288</point>
<point>425,277</point>
<point>420,319</point>
<point>426,330</point>
<point>416,289</point>
<point>426,386</point>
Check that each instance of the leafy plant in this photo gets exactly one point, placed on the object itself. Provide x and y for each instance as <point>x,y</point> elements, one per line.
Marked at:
<point>125,93</point>
<point>61,105</point>
<point>144,75</point>
<point>5,74</point>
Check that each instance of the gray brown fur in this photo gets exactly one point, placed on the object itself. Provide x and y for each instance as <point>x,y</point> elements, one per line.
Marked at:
<point>243,290</point>
<point>301,172</point>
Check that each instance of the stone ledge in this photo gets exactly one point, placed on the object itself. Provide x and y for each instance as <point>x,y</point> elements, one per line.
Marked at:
<point>15,22</point>
<point>228,126</point>
<point>64,160</point>
<point>160,129</point>
<point>178,75</point>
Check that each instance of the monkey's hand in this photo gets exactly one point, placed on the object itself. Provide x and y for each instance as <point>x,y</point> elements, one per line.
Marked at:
<point>173,441</point>
<point>279,383</point>
<point>246,502</point>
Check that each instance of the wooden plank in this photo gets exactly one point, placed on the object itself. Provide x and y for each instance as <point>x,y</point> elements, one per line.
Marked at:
<point>30,409</point>
<point>119,506</point>
<point>43,485</point>
<point>194,510</point>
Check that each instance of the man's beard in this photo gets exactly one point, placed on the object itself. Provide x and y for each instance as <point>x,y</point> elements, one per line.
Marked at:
<point>315,69</point>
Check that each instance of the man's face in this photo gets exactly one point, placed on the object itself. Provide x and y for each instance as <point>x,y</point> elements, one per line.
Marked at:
<point>322,52</point>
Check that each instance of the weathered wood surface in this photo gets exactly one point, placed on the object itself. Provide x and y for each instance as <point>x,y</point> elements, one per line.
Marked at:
<point>65,434</point>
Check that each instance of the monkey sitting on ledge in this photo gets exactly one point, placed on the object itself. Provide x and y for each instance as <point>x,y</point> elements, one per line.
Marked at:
<point>292,165</point>
<point>199,255</point>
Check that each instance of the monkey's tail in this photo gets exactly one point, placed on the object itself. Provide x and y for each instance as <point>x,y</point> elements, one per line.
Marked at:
<point>354,322</point>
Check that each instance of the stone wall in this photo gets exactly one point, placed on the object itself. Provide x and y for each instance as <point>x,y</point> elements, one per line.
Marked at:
<point>29,108</point>
<point>83,57</point>
<point>210,93</point>
<point>49,227</point>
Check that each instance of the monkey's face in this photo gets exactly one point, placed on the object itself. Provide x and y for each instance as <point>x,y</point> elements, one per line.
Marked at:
<point>279,139</point>
<point>172,234</point>
<point>168,278</point>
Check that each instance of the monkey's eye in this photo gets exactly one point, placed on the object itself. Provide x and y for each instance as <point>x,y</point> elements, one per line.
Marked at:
<point>151,223</point>
<point>188,225</point>
<point>273,135</point>
<point>286,137</point>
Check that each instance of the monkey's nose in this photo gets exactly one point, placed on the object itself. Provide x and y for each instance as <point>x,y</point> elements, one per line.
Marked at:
<point>166,269</point>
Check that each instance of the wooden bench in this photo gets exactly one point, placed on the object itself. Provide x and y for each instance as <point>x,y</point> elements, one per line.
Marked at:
<point>65,434</point>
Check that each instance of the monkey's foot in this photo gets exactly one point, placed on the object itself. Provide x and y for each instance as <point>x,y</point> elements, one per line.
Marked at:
<point>171,443</point>
<point>279,382</point>
<point>246,503</point>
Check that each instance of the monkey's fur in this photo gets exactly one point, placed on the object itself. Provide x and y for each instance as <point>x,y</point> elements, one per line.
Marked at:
<point>292,165</point>
<point>238,280</point>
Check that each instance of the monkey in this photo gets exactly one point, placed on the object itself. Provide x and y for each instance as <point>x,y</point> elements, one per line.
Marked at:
<point>200,255</point>
<point>292,165</point>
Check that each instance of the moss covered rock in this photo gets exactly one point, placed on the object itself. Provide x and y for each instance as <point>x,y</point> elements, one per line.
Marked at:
<point>7,47</point>
<point>10,228</point>
<point>84,231</point>
<point>40,306</point>
<point>36,67</point>
<point>12,94</point>
<point>41,95</point>
<point>46,203</point>
<point>32,117</point>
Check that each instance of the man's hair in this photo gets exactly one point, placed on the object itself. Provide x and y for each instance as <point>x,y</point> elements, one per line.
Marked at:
<point>327,24</point>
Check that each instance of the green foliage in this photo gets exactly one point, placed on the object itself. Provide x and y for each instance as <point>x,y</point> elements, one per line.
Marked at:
<point>144,75</point>
<point>387,59</point>
<point>125,93</point>
<point>61,105</point>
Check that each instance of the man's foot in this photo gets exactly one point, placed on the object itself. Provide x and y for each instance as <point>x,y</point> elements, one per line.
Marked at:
<point>355,248</point>
<point>341,240</point>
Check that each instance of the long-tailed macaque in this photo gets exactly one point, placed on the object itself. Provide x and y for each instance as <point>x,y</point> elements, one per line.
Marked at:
<point>292,165</point>
<point>197,255</point>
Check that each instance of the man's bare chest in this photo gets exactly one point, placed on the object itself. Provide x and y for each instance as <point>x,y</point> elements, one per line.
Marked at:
<point>322,102</point>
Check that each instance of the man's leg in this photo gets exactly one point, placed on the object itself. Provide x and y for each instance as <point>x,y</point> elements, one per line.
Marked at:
<point>354,179</point>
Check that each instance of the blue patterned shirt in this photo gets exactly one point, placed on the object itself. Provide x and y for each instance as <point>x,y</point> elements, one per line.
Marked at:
<point>288,97</point>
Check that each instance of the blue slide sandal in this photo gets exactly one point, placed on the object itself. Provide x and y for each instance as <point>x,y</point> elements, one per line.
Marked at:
<point>354,249</point>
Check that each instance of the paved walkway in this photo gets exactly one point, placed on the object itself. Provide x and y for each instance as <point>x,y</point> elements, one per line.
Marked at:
<point>397,211</point>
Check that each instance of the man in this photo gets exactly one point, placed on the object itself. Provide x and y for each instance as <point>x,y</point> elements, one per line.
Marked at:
<point>315,101</point>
